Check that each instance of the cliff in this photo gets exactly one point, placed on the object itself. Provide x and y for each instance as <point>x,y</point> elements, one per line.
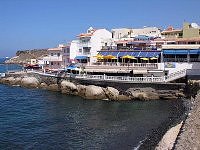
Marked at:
<point>24,56</point>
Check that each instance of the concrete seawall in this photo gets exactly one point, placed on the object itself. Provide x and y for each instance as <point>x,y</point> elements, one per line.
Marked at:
<point>189,136</point>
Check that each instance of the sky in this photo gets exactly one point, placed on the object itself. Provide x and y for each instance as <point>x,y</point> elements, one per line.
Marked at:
<point>31,24</point>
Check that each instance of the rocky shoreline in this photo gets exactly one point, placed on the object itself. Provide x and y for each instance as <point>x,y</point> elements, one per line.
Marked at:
<point>188,132</point>
<point>92,92</point>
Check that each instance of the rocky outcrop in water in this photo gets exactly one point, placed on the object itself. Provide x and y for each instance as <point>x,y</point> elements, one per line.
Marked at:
<point>143,93</point>
<point>68,88</point>
<point>94,92</point>
<point>90,91</point>
<point>31,82</point>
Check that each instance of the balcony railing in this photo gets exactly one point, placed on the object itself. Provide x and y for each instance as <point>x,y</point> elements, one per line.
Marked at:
<point>128,65</point>
<point>54,58</point>
<point>122,78</point>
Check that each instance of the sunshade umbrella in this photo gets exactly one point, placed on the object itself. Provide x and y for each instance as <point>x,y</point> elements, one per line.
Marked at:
<point>153,58</point>
<point>144,58</point>
<point>129,57</point>
<point>109,57</point>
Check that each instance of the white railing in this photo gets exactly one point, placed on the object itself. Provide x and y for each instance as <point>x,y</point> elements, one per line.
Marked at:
<point>171,77</point>
<point>122,78</point>
<point>176,75</point>
<point>117,64</point>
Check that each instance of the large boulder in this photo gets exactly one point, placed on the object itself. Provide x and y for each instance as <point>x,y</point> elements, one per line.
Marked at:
<point>124,98</point>
<point>169,94</point>
<point>53,87</point>
<point>8,80</point>
<point>31,82</point>
<point>94,92</point>
<point>111,93</point>
<point>68,88</point>
<point>143,93</point>
<point>18,81</point>
<point>43,85</point>
<point>81,90</point>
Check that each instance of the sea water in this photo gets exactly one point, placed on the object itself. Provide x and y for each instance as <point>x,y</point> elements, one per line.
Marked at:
<point>40,119</point>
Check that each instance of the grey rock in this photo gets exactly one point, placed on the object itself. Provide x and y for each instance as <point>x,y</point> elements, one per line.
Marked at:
<point>94,92</point>
<point>30,82</point>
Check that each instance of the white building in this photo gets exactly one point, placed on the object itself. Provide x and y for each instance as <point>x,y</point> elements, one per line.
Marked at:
<point>88,44</point>
<point>58,57</point>
<point>128,33</point>
<point>146,31</point>
<point>121,33</point>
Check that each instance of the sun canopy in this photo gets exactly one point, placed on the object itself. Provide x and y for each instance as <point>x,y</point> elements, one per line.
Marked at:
<point>144,58</point>
<point>109,57</point>
<point>71,68</point>
<point>181,51</point>
<point>128,57</point>
<point>81,57</point>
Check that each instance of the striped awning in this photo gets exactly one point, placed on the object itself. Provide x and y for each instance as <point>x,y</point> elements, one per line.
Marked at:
<point>181,51</point>
<point>81,57</point>
<point>147,54</point>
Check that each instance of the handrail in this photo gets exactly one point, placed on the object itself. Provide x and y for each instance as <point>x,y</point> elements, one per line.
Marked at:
<point>176,75</point>
<point>121,78</point>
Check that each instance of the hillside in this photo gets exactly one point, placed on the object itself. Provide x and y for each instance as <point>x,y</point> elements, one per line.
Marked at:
<point>24,56</point>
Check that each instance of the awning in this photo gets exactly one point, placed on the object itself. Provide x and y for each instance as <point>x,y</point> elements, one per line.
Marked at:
<point>115,53</point>
<point>71,67</point>
<point>148,54</point>
<point>81,57</point>
<point>176,52</point>
<point>195,51</point>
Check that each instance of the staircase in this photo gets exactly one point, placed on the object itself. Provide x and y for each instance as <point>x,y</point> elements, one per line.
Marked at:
<point>176,75</point>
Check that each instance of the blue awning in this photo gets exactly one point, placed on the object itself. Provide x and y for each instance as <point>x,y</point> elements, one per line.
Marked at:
<point>114,53</point>
<point>71,67</point>
<point>194,51</point>
<point>81,57</point>
<point>181,51</point>
<point>148,54</point>
<point>135,54</point>
<point>103,53</point>
<point>122,54</point>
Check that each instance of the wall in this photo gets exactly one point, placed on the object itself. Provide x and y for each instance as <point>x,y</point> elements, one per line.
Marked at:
<point>121,33</point>
<point>97,42</point>
<point>74,48</point>
<point>190,32</point>
<point>148,31</point>
<point>125,86</point>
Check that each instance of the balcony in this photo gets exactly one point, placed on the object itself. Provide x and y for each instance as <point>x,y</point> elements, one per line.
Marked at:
<point>85,44</point>
<point>118,65</point>
<point>54,58</point>
<point>109,48</point>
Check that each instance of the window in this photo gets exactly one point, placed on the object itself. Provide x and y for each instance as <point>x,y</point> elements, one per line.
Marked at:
<point>51,54</point>
<point>80,50</point>
<point>112,34</point>
<point>58,54</point>
<point>86,50</point>
<point>51,63</point>
<point>58,64</point>
<point>68,50</point>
